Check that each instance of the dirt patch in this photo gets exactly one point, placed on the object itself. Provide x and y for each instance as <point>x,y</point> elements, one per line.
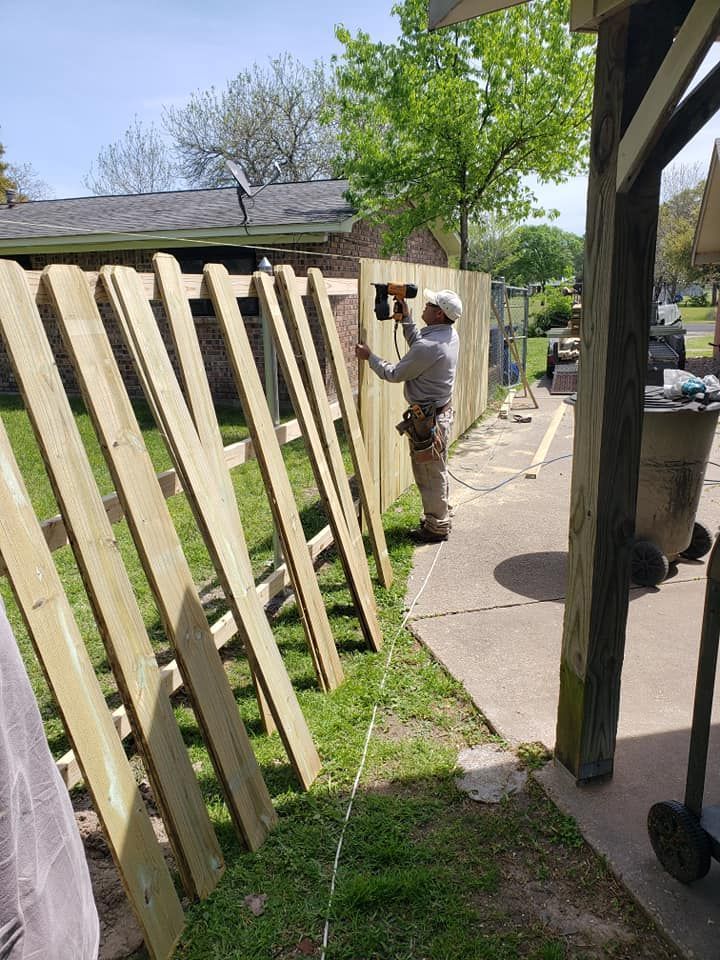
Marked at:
<point>703,366</point>
<point>120,934</point>
<point>585,928</point>
<point>560,890</point>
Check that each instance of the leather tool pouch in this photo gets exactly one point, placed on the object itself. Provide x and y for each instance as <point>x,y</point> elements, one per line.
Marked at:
<point>420,425</point>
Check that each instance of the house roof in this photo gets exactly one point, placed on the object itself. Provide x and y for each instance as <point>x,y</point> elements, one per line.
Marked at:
<point>137,220</point>
<point>706,246</point>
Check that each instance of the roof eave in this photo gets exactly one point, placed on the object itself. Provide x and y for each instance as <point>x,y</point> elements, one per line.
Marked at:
<point>704,249</point>
<point>444,13</point>
<point>235,236</point>
<point>449,240</point>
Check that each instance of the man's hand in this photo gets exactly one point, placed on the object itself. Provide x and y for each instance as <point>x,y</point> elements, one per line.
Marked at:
<point>362,351</point>
<point>405,309</point>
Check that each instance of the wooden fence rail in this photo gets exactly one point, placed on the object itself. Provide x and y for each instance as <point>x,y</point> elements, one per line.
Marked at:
<point>194,284</point>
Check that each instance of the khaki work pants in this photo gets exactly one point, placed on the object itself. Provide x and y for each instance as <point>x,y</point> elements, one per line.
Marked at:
<point>431,477</point>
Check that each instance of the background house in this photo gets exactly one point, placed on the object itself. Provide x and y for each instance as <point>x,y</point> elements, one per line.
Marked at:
<point>302,224</point>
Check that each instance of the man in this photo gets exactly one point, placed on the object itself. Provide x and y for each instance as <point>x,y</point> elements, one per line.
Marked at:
<point>428,372</point>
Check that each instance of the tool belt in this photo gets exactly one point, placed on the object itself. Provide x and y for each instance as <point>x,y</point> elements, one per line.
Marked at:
<point>419,422</point>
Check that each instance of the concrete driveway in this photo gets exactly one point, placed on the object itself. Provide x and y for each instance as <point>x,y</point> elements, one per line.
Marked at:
<point>492,613</point>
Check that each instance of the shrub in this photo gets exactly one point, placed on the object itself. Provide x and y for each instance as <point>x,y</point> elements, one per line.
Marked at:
<point>557,311</point>
<point>699,300</point>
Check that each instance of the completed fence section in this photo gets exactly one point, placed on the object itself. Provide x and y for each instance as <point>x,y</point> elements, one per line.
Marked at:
<point>186,418</point>
<point>382,403</point>
<point>188,423</point>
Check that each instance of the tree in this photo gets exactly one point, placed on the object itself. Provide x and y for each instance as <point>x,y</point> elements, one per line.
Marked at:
<point>446,124</point>
<point>137,163</point>
<point>491,243</point>
<point>682,192</point>
<point>28,182</point>
<point>6,182</point>
<point>262,118</point>
<point>542,253</point>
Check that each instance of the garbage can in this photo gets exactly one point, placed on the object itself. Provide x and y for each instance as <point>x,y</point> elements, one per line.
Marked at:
<point>677,437</point>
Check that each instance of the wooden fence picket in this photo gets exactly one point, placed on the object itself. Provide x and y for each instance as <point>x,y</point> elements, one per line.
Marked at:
<point>70,675</point>
<point>225,542</point>
<point>285,514</point>
<point>116,611</point>
<point>368,490</point>
<point>354,562</point>
<point>313,379</point>
<point>161,554</point>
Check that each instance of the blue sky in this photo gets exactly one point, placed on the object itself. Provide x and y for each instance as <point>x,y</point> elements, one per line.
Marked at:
<point>75,73</point>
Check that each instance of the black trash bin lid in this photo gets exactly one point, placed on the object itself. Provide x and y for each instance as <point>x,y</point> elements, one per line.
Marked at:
<point>657,402</point>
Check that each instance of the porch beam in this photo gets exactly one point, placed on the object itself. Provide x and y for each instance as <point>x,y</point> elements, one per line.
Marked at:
<point>689,118</point>
<point>619,255</point>
<point>680,65</point>
<point>587,14</point>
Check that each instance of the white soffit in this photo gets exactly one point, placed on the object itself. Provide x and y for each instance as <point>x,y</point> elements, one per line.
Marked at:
<point>706,247</point>
<point>442,13</point>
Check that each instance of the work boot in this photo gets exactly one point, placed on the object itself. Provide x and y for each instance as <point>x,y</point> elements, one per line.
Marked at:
<point>423,535</point>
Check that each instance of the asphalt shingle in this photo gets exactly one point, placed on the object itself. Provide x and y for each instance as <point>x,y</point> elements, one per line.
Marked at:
<point>315,201</point>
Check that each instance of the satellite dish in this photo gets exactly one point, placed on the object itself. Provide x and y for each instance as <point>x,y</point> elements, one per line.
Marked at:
<point>239,174</point>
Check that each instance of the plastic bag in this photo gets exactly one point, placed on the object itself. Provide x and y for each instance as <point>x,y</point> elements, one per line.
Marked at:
<point>673,381</point>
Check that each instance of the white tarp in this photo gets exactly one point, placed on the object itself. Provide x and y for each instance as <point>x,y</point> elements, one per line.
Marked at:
<point>47,911</point>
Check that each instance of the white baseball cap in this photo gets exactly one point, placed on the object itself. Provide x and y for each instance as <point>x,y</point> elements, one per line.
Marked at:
<point>448,301</point>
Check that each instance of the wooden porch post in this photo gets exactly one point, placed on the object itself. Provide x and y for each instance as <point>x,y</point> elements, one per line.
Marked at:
<point>619,255</point>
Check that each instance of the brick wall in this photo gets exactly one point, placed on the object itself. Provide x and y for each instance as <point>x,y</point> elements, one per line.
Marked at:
<point>338,257</point>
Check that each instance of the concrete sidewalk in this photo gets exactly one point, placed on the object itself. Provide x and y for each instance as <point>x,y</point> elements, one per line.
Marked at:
<point>492,612</point>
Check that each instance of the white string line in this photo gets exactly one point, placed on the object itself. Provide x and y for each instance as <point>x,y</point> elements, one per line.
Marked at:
<point>368,736</point>
<point>170,240</point>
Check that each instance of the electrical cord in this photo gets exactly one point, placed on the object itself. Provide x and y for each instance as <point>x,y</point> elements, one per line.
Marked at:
<point>542,463</point>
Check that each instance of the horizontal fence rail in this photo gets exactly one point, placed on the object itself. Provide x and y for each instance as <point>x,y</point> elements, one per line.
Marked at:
<point>194,285</point>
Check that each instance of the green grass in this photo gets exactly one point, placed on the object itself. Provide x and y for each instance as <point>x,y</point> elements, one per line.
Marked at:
<point>536,358</point>
<point>697,314</point>
<point>699,346</point>
<point>425,872</point>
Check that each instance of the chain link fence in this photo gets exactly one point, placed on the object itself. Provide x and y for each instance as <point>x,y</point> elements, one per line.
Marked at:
<point>511,304</point>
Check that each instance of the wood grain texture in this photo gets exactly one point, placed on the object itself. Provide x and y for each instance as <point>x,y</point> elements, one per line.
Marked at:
<point>280,495</point>
<point>225,540</point>
<point>620,243</point>
<point>161,554</point>
<point>368,491</point>
<point>108,587</point>
<point>354,563</point>
<point>65,662</point>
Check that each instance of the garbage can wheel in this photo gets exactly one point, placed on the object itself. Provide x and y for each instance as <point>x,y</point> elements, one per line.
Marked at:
<point>700,544</point>
<point>649,564</point>
<point>680,843</point>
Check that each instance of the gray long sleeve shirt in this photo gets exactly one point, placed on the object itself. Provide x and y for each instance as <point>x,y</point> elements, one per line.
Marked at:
<point>428,368</point>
